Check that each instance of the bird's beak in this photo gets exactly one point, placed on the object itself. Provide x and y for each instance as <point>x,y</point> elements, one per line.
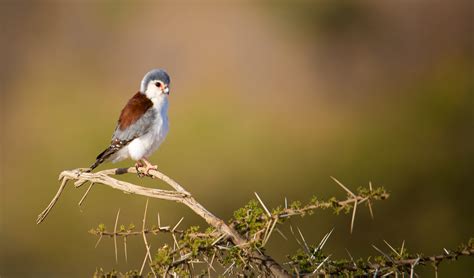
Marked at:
<point>166,90</point>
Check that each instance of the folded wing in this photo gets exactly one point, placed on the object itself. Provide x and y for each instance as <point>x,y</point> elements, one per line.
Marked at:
<point>135,120</point>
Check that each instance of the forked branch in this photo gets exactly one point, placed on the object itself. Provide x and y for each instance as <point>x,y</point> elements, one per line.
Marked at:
<point>246,233</point>
<point>179,194</point>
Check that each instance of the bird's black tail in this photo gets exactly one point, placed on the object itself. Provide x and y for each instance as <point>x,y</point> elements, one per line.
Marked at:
<point>102,157</point>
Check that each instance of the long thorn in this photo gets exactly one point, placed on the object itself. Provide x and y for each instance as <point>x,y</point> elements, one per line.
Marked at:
<point>98,241</point>
<point>412,268</point>
<point>352,258</point>
<point>402,248</point>
<point>304,241</point>
<point>294,236</point>
<point>269,233</point>
<point>125,248</point>
<point>281,233</point>
<point>391,248</point>
<point>343,187</point>
<point>85,194</point>
<point>143,264</point>
<point>381,252</point>
<point>369,203</point>
<point>115,236</point>
<point>323,241</point>
<point>147,246</point>
<point>321,264</point>
<point>177,224</point>
<point>353,215</point>
<point>263,205</point>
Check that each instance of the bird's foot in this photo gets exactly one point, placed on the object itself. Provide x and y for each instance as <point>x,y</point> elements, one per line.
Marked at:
<point>138,165</point>
<point>148,167</point>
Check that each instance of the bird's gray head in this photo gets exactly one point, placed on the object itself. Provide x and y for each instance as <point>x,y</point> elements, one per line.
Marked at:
<point>156,80</point>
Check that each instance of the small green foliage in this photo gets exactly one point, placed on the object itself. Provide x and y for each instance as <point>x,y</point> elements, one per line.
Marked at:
<point>133,274</point>
<point>277,210</point>
<point>99,230</point>
<point>101,227</point>
<point>314,201</point>
<point>295,205</point>
<point>210,230</point>
<point>99,273</point>
<point>194,243</point>
<point>468,245</point>
<point>163,256</point>
<point>378,193</point>
<point>249,219</point>
<point>380,260</point>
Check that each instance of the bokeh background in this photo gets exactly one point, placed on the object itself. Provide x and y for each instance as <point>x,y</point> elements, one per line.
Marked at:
<point>267,96</point>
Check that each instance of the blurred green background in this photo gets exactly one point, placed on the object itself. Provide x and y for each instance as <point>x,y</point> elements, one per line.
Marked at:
<point>267,96</point>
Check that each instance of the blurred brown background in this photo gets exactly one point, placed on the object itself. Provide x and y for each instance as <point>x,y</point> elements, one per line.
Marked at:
<point>268,97</point>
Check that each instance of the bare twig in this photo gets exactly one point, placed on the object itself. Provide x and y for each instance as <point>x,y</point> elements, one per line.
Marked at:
<point>46,211</point>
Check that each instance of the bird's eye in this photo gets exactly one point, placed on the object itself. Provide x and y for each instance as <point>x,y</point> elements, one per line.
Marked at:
<point>158,84</point>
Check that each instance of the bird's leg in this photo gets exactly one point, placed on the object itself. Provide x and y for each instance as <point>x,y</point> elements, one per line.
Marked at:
<point>139,164</point>
<point>148,166</point>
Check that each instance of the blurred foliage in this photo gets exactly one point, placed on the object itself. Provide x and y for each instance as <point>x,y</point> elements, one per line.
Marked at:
<point>327,17</point>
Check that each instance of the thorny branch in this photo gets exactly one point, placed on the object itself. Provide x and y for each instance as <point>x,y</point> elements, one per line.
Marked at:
<point>180,195</point>
<point>241,243</point>
<point>398,261</point>
<point>249,234</point>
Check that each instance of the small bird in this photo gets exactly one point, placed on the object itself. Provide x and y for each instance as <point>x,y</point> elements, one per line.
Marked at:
<point>143,123</point>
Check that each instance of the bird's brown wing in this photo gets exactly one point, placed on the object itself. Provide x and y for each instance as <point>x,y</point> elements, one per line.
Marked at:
<point>135,120</point>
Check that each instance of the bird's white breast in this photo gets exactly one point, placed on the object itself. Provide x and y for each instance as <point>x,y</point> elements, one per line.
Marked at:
<point>149,142</point>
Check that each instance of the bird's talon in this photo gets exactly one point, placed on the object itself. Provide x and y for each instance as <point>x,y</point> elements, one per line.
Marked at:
<point>151,167</point>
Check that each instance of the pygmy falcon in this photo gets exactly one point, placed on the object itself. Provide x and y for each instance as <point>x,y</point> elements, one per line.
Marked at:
<point>143,123</point>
